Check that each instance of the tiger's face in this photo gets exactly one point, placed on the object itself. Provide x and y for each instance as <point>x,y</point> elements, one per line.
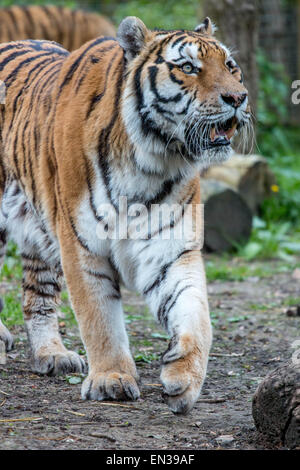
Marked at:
<point>184,93</point>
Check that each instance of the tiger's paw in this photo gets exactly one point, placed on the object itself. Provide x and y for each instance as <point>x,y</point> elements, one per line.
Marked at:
<point>182,376</point>
<point>56,363</point>
<point>180,392</point>
<point>6,337</point>
<point>109,385</point>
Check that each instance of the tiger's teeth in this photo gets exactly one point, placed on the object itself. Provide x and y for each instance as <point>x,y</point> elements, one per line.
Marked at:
<point>213,134</point>
<point>231,131</point>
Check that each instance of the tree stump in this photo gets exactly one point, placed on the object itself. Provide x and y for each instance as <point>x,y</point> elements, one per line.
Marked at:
<point>250,175</point>
<point>227,217</point>
<point>276,406</point>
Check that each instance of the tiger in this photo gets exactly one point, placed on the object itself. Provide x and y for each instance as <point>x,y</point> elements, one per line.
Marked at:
<point>134,117</point>
<point>70,28</point>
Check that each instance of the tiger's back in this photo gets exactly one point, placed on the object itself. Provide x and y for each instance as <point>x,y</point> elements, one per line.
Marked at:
<point>48,92</point>
<point>28,70</point>
<point>70,28</point>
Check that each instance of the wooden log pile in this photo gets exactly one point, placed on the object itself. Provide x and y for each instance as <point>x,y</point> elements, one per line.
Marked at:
<point>232,193</point>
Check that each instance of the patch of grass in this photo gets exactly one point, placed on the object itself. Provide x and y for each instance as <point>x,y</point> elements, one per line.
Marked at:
<point>222,271</point>
<point>69,316</point>
<point>146,357</point>
<point>216,316</point>
<point>230,268</point>
<point>237,318</point>
<point>130,309</point>
<point>259,307</point>
<point>291,301</point>
<point>131,318</point>
<point>170,14</point>
<point>64,296</point>
<point>12,268</point>
<point>12,311</point>
<point>66,309</point>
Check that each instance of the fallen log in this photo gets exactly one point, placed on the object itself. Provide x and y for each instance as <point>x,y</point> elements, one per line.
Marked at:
<point>227,217</point>
<point>276,406</point>
<point>249,175</point>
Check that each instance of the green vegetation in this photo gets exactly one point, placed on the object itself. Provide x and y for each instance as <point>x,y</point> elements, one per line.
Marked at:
<point>146,357</point>
<point>170,14</point>
<point>12,311</point>
<point>12,268</point>
<point>65,3</point>
<point>229,268</point>
<point>276,233</point>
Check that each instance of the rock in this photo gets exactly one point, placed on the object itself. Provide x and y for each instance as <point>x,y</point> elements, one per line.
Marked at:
<point>198,424</point>
<point>225,439</point>
<point>276,406</point>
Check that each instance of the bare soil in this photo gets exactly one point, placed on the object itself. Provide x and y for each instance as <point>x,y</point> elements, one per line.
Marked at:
<point>253,334</point>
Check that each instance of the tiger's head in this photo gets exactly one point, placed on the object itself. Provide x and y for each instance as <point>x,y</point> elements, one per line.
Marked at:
<point>184,97</point>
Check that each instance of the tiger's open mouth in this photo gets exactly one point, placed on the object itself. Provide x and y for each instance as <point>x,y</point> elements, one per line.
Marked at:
<point>221,133</point>
<point>215,136</point>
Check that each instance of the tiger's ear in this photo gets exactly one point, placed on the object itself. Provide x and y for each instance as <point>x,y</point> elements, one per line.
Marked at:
<point>207,27</point>
<point>131,36</point>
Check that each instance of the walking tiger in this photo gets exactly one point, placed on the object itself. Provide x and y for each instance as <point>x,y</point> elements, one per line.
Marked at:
<point>137,117</point>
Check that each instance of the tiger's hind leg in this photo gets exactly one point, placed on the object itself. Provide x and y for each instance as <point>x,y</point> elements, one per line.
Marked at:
<point>41,295</point>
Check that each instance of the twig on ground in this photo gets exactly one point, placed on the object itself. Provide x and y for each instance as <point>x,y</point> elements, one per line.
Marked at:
<point>50,438</point>
<point>19,419</point>
<point>211,400</point>
<point>102,436</point>
<point>75,413</point>
<point>118,404</point>
<point>4,393</point>
<point>226,355</point>
<point>82,423</point>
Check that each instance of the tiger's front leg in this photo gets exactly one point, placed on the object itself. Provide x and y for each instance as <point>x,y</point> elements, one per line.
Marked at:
<point>178,298</point>
<point>96,299</point>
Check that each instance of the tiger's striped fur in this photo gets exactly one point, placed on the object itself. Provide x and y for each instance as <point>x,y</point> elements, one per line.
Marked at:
<point>70,28</point>
<point>128,117</point>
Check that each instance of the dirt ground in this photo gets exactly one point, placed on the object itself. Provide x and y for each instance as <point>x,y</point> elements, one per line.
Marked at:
<point>253,334</point>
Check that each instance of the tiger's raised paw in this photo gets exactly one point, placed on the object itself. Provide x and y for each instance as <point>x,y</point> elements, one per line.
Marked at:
<point>58,363</point>
<point>180,392</point>
<point>182,381</point>
<point>110,386</point>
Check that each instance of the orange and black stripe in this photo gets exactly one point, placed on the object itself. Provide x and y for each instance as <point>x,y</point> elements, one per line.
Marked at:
<point>70,28</point>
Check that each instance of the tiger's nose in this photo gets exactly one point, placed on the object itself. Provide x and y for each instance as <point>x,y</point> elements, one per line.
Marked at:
<point>234,99</point>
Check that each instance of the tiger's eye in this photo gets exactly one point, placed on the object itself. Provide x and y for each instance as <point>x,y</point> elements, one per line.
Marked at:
<point>187,68</point>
